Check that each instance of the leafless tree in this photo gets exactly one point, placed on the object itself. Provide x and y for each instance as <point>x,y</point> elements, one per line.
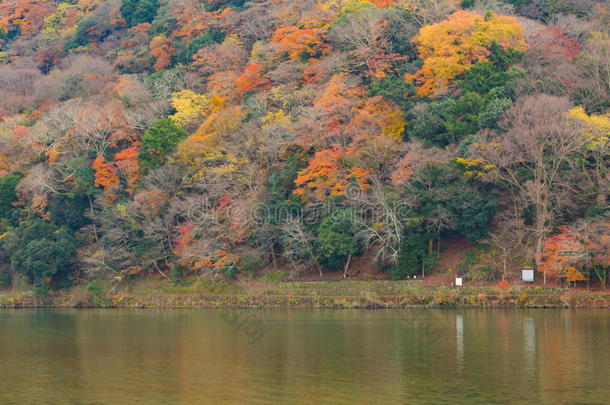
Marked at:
<point>298,244</point>
<point>381,217</point>
<point>511,239</point>
<point>365,34</point>
<point>537,142</point>
<point>429,11</point>
<point>594,68</point>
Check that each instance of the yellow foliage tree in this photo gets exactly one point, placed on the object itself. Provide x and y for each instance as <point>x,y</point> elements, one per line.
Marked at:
<point>595,127</point>
<point>192,107</point>
<point>275,119</point>
<point>596,130</point>
<point>205,153</point>
<point>450,47</point>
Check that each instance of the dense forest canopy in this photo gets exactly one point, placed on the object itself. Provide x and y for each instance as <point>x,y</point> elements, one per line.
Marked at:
<point>182,137</point>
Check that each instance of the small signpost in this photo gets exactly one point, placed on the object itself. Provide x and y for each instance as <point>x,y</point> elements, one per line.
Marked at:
<point>458,281</point>
<point>527,275</point>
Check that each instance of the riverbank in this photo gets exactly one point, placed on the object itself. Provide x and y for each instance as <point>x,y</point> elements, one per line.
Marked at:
<point>208,293</point>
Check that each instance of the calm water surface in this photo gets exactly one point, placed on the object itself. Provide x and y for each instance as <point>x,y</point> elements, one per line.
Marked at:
<point>304,357</point>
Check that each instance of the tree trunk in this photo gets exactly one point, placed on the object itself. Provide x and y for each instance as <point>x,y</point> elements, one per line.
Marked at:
<point>538,255</point>
<point>539,202</point>
<point>540,225</point>
<point>349,258</point>
<point>159,270</point>
<point>602,275</point>
<point>273,260</point>
<point>316,262</point>
<point>94,225</point>
<point>319,270</point>
<point>438,245</point>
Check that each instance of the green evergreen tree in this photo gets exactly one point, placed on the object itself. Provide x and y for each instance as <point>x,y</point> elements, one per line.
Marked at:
<point>41,251</point>
<point>138,11</point>
<point>336,239</point>
<point>159,140</point>
<point>8,184</point>
<point>414,255</point>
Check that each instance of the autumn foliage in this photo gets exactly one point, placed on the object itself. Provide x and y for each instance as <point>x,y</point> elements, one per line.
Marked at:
<point>195,138</point>
<point>565,255</point>
<point>296,42</point>
<point>328,174</point>
<point>105,176</point>
<point>450,47</point>
<point>107,173</point>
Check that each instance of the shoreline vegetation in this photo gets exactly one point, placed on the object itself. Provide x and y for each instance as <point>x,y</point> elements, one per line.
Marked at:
<point>210,293</point>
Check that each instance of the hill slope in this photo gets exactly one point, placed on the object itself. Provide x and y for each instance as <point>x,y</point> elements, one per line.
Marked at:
<point>218,137</point>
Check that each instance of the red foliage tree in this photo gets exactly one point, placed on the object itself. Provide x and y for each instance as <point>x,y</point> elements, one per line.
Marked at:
<point>564,255</point>
<point>252,79</point>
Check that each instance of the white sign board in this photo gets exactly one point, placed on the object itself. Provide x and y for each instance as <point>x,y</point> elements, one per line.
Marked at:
<point>527,275</point>
<point>458,281</point>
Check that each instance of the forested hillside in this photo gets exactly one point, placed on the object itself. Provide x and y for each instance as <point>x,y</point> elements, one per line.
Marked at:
<point>220,137</point>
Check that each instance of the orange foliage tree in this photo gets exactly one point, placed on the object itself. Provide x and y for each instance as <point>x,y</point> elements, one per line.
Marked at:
<point>126,162</point>
<point>565,255</point>
<point>329,174</point>
<point>297,42</point>
<point>107,173</point>
<point>331,111</point>
<point>450,47</point>
<point>26,15</point>
<point>106,177</point>
<point>161,48</point>
<point>354,137</point>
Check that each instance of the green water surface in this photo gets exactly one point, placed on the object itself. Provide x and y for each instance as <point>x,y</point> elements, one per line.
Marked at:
<point>182,356</point>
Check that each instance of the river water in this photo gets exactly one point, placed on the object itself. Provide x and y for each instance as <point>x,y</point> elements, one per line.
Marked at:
<point>424,356</point>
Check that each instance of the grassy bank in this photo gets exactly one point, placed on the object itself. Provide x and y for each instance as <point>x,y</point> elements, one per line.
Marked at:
<point>208,293</point>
